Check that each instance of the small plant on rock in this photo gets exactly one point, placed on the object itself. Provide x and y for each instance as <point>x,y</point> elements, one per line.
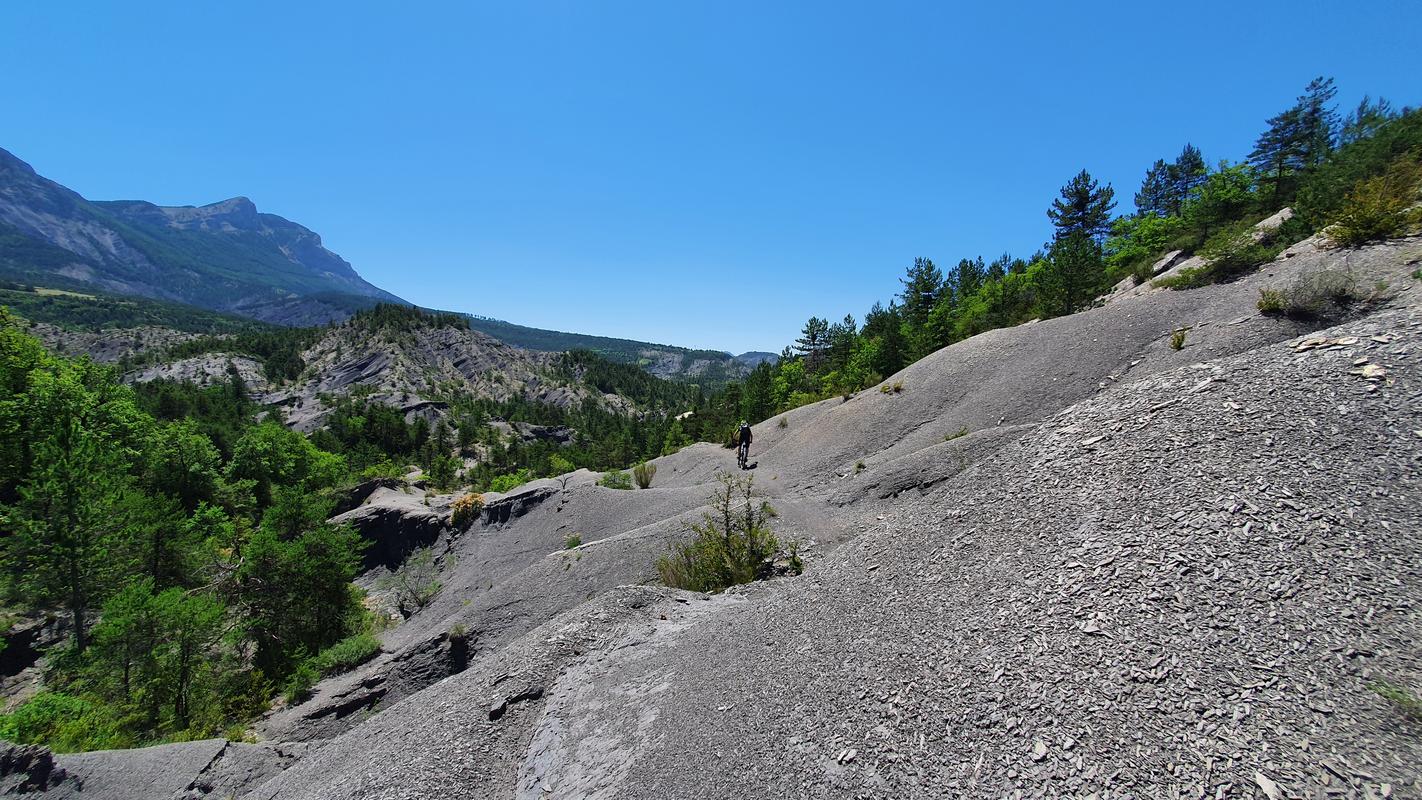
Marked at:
<point>783,423</point>
<point>1177,339</point>
<point>616,479</point>
<point>413,586</point>
<point>1406,702</point>
<point>733,543</point>
<point>643,473</point>
<point>509,481</point>
<point>458,637</point>
<point>1322,294</point>
<point>466,509</point>
<point>958,434</point>
<point>345,655</point>
<point>1272,302</point>
<point>299,683</point>
<point>572,541</point>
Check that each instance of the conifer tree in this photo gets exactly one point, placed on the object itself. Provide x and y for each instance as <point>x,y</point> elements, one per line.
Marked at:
<point>813,342</point>
<point>970,274</point>
<point>1365,120</point>
<point>1153,197</point>
<point>1084,207</point>
<point>1186,175</point>
<point>922,287</point>
<point>1297,138</point>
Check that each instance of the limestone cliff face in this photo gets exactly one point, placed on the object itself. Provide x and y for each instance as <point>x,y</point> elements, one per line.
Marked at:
<point>226,256</point>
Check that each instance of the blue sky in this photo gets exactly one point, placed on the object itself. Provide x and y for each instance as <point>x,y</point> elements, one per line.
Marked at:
<point>705,174</point>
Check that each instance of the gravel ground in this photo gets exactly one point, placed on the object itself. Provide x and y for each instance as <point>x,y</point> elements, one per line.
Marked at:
<point>1182,588</point>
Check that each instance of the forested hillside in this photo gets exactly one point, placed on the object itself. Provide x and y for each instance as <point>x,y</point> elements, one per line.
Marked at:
<point>186,542</point>
<point>1357,171</point>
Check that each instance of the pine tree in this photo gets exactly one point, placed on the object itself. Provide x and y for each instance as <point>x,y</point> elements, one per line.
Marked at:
<point>1365,120</point>
<point>922,287</point>
<point>842,336</point>
<point>999,268</point>
<point>1318,122</point>
<point>1297,138</point>
<point>1186,175</point>
<point>1154,194</point>
<point>970,274</point>
<point>813,343</point>
<point>885,327</point>
<point>1084,207</point>
<point>1074,271</point>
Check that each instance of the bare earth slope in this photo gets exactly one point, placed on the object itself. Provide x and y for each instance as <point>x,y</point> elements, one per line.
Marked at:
<point>1141,573</point>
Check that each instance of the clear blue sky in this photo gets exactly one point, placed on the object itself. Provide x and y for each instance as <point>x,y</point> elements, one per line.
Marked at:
<point>706,174</point>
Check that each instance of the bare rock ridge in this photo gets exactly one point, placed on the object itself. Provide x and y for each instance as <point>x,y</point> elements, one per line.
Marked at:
<point>1141,572</point>
<point>405,370</point>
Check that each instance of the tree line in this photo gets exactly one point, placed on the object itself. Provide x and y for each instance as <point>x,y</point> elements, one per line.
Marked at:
<point>1309,156</point>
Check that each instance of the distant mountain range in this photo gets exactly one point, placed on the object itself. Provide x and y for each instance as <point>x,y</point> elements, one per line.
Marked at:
<point>229,257</point>
<point>226,256</point>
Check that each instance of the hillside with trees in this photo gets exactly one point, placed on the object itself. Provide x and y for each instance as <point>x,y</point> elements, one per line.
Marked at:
<point>1356,171</point>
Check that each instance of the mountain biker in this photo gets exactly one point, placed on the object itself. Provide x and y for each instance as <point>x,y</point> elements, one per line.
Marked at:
<point>744,442</point>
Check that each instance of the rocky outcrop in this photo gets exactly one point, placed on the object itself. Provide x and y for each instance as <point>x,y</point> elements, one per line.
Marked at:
<point>395,522</point>
<point>1122,517</point>
<point>410,370</point>
<point>108,346</point>
<point>30,769</point>
<point>206,370</point>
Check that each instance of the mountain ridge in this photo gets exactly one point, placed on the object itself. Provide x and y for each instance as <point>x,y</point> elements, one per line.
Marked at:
<point>223,256</point>
<point>233,258</point>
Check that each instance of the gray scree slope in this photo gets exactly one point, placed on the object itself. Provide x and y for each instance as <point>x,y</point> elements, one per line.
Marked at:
<point>1143,573</point>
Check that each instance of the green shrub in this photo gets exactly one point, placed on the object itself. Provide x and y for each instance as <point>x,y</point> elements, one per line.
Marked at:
<point>572,541</point>
<point>509,481</point>
<point>1325,188</point>
<point>63,723</point>
<point>345,655</point>
<point>1228,255</point>
<point>466,509</point>
<point>558,465</point>
<point>958,434</point>
<point>644,473</point>
<point>733,544</point>
<point>1177,339</point>
<point>383,469</point>
<point>299,683</point>
<point>1272,302</point>
<point>1137,242</point>
<point>616,479</point>
<point>783,423</point>
<point>1380,207</point>
<point>1321,294</point>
